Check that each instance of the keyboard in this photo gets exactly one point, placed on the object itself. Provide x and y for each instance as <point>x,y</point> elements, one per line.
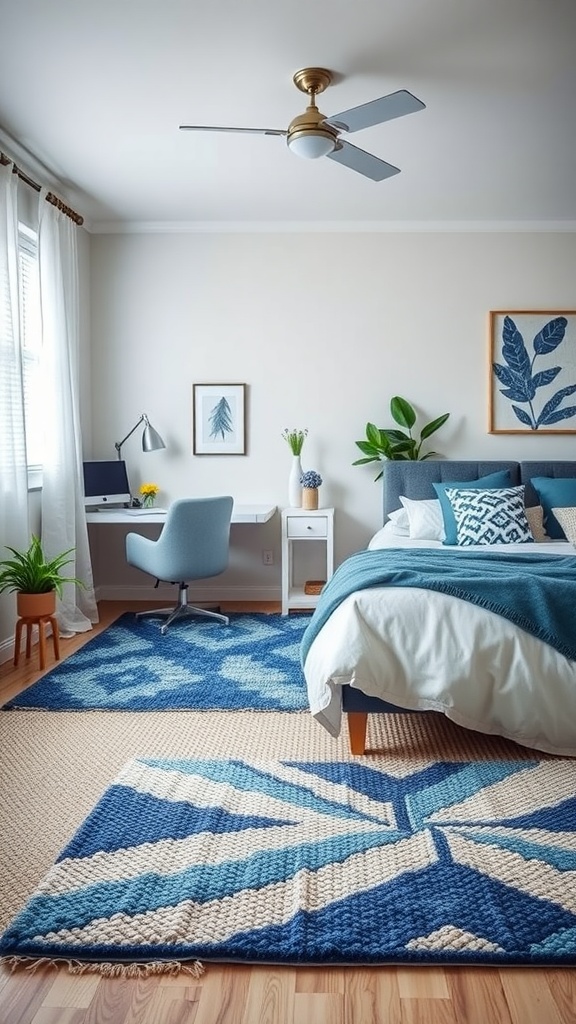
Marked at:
<point>145,511</point>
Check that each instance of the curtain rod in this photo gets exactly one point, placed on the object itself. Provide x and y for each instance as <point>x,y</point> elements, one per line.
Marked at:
<point>50,197</point>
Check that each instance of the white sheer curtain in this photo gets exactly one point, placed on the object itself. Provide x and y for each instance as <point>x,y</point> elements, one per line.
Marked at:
<point>13,472</point>
<point>63,512</point>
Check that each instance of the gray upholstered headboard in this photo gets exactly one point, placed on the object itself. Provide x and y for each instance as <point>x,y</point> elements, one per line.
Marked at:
<point>555,469</point>
<point>415,479</point>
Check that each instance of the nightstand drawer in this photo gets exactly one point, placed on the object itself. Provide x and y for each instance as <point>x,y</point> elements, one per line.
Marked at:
<point>307,526</point>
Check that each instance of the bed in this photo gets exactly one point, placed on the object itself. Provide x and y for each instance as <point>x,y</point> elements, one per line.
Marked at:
<point>398,648</point>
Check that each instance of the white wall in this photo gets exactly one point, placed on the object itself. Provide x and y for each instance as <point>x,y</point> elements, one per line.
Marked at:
<point>324,329</point>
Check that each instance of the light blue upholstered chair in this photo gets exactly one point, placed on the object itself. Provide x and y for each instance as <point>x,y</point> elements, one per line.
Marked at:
<point>194,545</point>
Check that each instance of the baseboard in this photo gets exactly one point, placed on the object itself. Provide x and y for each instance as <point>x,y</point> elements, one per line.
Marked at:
<point>196,595</point>
<point>6,650</point>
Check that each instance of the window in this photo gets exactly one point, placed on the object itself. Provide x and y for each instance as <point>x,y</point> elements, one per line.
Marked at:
<point>31,333</point>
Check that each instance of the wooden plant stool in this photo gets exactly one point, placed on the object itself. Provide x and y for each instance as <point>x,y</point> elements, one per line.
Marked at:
<point>42,621</point>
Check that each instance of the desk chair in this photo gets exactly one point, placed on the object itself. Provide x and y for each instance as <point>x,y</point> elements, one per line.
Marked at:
<point>194,545</point>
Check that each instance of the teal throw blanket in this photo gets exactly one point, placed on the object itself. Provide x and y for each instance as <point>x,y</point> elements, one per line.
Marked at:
<point>535,592</point>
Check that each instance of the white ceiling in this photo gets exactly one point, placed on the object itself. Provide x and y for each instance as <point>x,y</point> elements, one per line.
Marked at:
<point>96,89</point>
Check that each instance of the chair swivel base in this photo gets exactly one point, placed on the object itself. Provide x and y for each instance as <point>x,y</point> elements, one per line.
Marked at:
<point>183,610</point>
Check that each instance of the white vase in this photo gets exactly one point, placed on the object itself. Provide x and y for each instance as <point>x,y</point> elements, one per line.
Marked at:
<point>294,485</point>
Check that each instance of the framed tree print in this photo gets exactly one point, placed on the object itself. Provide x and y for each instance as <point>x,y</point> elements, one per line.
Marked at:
<point>219,419</point>
<point>532,388</point>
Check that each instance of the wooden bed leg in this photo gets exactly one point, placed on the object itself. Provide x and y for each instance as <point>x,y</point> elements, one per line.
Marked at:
<point>357,723</point>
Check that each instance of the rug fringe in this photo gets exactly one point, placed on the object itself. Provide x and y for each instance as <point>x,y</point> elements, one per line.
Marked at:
<point>107,970</point>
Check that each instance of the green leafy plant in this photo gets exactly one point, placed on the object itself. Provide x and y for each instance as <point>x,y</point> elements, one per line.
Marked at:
<point>389,443</point>
<point>295,438</point>
<point>29,572</point>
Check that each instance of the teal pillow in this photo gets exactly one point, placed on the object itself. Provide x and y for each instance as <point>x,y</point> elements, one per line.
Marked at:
<point>554,492</point>
<point>493,481</point>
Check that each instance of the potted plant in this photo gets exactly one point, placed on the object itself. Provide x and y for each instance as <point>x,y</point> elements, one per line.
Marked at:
<point>295,439</point>
<point>396,444</point>
<point>149,494</point>
<point>310,481</point>
<point>34,579</point>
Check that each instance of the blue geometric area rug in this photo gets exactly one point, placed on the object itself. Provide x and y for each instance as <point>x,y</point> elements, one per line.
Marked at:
<point>303,863</point>
<point>200,665</point>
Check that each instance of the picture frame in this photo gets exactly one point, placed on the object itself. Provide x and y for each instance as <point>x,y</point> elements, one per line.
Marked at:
<point>532,371</point>
<point>219,419</point>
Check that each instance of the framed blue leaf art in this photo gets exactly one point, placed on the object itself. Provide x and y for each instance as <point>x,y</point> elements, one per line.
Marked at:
<point>219,419</point>
<point>532,372</point>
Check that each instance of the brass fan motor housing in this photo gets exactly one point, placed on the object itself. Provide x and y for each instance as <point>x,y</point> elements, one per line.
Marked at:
<point>311,122</point>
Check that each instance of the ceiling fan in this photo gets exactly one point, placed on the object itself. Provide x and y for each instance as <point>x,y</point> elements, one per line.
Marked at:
<point>312,134</point>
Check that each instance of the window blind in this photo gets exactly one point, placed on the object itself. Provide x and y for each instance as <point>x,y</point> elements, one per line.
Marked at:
<point>31,340</point>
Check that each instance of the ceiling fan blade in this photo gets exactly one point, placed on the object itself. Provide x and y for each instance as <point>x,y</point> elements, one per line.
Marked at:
<point>365,163</point>
<point>245,131</point>
<point>396,104</point>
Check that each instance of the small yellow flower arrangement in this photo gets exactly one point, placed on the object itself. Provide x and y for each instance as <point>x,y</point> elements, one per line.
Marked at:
<point>149,493</point>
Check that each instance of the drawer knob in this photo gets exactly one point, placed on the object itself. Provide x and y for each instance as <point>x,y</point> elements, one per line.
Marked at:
<point>308,527</point>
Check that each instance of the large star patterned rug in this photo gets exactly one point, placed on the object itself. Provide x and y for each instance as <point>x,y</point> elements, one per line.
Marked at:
<point>315,862</point>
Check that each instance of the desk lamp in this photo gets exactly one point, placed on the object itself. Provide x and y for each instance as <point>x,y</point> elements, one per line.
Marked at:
<point>151,440</point>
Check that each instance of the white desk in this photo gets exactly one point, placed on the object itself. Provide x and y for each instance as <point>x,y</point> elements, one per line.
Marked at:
<point>240,514</point>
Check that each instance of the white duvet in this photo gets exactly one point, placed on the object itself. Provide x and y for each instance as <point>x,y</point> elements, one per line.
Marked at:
<point>425,650</point>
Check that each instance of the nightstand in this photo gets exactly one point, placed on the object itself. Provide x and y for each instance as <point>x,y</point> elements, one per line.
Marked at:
<point>298,526</point>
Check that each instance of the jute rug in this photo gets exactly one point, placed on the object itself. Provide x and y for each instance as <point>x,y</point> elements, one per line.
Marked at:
<point>55,766</point>
<point>315,862</point>
<point>253,664</point>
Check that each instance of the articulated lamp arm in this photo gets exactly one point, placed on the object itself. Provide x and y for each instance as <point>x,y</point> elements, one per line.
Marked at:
<point>151,440</point>
<point>118,444</point>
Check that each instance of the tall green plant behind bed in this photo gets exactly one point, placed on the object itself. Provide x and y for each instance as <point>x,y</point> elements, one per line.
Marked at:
<point>389,443</point>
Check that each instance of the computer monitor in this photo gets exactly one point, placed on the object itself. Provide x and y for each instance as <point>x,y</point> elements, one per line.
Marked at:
<point>106,482</point>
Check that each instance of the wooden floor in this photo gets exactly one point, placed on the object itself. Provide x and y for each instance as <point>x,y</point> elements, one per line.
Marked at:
<point>234,994</point>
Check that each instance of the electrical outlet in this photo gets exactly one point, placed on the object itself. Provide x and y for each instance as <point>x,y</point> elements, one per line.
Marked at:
<point>268,557</point>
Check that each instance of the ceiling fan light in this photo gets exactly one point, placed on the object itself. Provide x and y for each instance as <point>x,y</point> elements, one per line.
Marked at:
<point>312,144</point>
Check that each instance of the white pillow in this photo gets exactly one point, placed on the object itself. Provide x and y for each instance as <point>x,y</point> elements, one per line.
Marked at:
<point>424,518</point>
<point>399,520</point>
<point>567,519</point>
<point>489,517</point>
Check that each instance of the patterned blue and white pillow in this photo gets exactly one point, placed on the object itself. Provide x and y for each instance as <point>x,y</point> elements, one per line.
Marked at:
<point>490,517</point>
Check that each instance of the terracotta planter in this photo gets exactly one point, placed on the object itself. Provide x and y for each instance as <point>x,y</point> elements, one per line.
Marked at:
<point>310,497</point>
<point>35,606</point>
